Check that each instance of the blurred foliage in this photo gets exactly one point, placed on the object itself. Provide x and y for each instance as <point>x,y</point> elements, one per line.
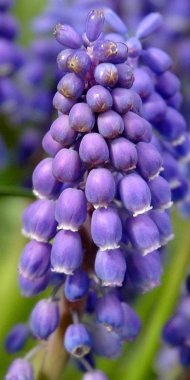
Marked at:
<point>25,10</point>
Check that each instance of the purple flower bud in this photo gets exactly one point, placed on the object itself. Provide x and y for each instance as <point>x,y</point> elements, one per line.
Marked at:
<point>109,51</point>
<point>163,222</point>
<point>115,37</point>
<point>89,358</point>
<point>5,5</point>
<point>44,319</point>
<point>76,286</point>
<point>110,267</point>
<point>30,288</point>
<point>175,330</point>
<point>106,228</point>
<point>149,160</point>
<point>143,234</point>
<point>62,132</point>
<point>123,214</point>
<point>67,252</point>
<point>106,74</point>
<point>62,59</point>
<point>81,118</point>
<point>110,124</point>
<point>79,62</point>
<point>184,356</point>
<point>160,193</point>
<point>175,100</point>
<point>149,25</point>
<point>94,24</point>
<point>125,75</point>
<point>35,260</point>
<point>91,301</point>
<point>143,83</point>
<point>124,100</point>
<point>135,194</point>
<point>71,86</point>
<point>183,150</point>
<point>71,209</point>
<point>93,149</point>
<point>45,49</point>
<point>136,128</point>
<point>172,127</point>
<point>167,84</point>
<point>50,146</point>
<point>20,369</point>
<point>67,36</point>
<point>56,279</point>
<point>132,324</point>
<point>96,193</point>
<point>95,375</point>
<point>63,103</point>
<point>77,340</point>
<point>39,220</point>
<point>144,271</point>
<point>171,170</point>
<point>134,47</point>
<point>114,21</point>
<point>16,338</point>
<point>157,60</point>
<point>66,165</point>
<point>154,108</point>
<point>109,312</point>
<point>181,191</point>
<point>99,99</point>
<point>105,343</point>
<point>123,154</point>
<point>44,183</point>
<point>9,27</point>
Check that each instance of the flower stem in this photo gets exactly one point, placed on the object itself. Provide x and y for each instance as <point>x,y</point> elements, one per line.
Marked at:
<point>51,362</point>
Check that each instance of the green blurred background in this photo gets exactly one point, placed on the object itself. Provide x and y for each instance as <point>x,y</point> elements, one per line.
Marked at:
<point>154,308</point>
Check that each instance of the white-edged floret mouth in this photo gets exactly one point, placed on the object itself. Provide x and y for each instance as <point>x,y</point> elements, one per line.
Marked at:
<point>62,270</point>
<point>81,351</point>
<point>161,169</point>
<point>67,227</point>
<point>142,211</point>
<point>112,284</point>
<point>39,195</point>
<point>150,249</point>
<point>174,184</point>
<point>34,236</point>
<point>166,205</point>
<point>167,239</point>
<point>100,205</point>
<point>178,141</point>
<point>110,247</point>
<point>185,159</point>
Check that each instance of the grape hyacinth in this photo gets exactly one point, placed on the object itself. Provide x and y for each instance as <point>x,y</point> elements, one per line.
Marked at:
<point>102,214</point>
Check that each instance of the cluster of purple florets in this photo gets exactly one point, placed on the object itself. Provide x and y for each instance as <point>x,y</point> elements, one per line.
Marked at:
<point>175,352</point>
<point>104,192</point>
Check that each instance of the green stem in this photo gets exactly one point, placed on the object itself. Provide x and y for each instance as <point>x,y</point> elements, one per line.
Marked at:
<point>10,191</point>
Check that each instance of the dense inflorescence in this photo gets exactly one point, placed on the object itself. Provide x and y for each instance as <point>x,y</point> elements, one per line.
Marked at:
<point>105,190</point>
